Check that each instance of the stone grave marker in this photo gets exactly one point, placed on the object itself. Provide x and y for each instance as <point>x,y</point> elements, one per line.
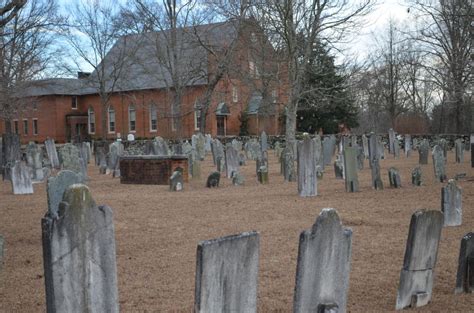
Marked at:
<point>207,144</point>
<point>391,138</point>
<point>414,143</point>
<point>380,147</point>
<point>339,167</point>
<point>407,145</point>
<point>262,175</point>
<point>70,158</point>
<point>350,168</point>
<point>195,166</point>
<point>231,161</point>
<point>278,149</point>
<point>444,147</point>
<point>324,263</point>
<point>365,146</point>
<point>242,160</point>
<point>199,142</point>
<point>459,151</point>
<point>439,164</point>
<point>328,149</point>
<point>318,151</point>
<point>56,186</point>
<point>237,145</point>
<point>160,147</point>
<point>465,273</point>
<point>263,141</point>
<point>360,158</point>
<point>101,160</point>
<point>21,179</point>
<point>34,158</point>
<point>423,152</point>
<point>416,176</point>
<point>416,276</point>
<point>213,180</point>
<point>451,203</point>
<point>396,148</point>
<point>176,181</point>
<point>288,165</point>
<point>237,179</point>
<point>394,178</point>
<point>52,153</point>
<point>227,274</point>
<point>186,148</point>
<point>79,255</point>
<point>116,150</point>
<point>306,164</point>
<point>377,183</point>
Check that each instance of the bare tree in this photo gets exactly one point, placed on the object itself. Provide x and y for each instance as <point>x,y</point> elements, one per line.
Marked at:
<point>9,10</point>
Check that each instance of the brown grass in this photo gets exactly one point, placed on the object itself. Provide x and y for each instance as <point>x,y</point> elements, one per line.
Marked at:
<point>157,232</point>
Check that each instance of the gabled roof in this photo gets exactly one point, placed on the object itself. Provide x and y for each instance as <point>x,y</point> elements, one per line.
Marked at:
<point>52,86</point>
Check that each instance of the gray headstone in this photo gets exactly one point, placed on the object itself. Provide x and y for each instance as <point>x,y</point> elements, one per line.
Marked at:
<point>459,151</point>
<point>394,178</point>
<point>237,145</point>
<point>439,164</point>
<point>423,152</point>
<point>339,167</point>
<point>237,179</point>
<point>195,165</point>
<point>377,183</point>
<point>218,152</point>
<point>324,261</point>
<point>465,273</point>
<point>451,203</point>
<point>70,158</point>
<point>263,141</point>
<point>444,146</point>
<point>391,138</point>
<point>56,186</point>
<point>407,145</point>
<point>199,142</point>
<point>227,274</point>
<point>207,144</point>
<point>176,181</point>
<point>396,148</point>
<point>374,148</point>
<point>307,179</point>
<point>365,146</point>
<point>415,143</point>
<point>380,148</point>
<point>52,153</point>
<point>416,176</point>
<point>21,179</point>
<point>350,168</point>
<point>79,255</point>
<point>34,158</point>
<point>416,277</point>
<point>318,151</point>
<point>242,159</point>
<point>231,161</point>
<point>160,147</point>
<point>360,158</point>
<point>262,174</point>
<point>328,149</point>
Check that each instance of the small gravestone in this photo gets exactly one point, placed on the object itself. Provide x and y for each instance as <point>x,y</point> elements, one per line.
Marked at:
<point>377,183</point>
<point>459,150</point>
<point>262,175</point>
<point>56,186</point>
<point>324,263</point>
<point>2,253</point>
<point>79,255</point>
<point>339,168</point>
<point>465,273</point>
<point>34,158</point>
<point>213,180</point>
<point>394,178</point>
<point>231,161</point>
<point>176,181</point>
<point>52,153</point>
<point>227,274</point>
<point>423,151</point>
<point>444,147</point>
<point>160,147</point>
<point>307,179</point>
<point>21,180</point>
<point>439,164</point>
<point>365,146</point>
<point>451,204</point>
<point>407,145</point>
<point>278,149</point>
<point>237,179</point>
<point>262,160</point>
<point>70,158</point>
<point>416,176</point>
<point>350,168</point>
<point>416,276</point>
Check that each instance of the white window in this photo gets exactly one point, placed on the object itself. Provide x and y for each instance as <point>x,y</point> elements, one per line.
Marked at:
<point>74,102</point>
<point>111,113</point>
<point>153,118</point>
<point>235,94</point>
<point>25,126</point>
<point>274,95</point>
<point>132,118</point>
<point>197,119</point>
<point>35,126</point>
<point>91,120</point>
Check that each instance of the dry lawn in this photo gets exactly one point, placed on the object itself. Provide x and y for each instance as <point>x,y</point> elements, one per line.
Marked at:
<point>157,232</point>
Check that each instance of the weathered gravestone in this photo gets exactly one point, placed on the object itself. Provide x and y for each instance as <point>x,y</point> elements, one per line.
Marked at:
<point>288,168</point>
<point>407,145</point>
<point>396,148</point>
<point>423,151</point>
<point>451,204</point>
<point>377,183</point>
<point>350,168</point>
<point>176,181</point>
<point>365,146</point>
<point>237,145</point>
<point>160,147</point>
<point>394,178</point>
<point>198,143</point>
<point>328,149</point>
<point>70,158</point>
<point>227,274</point>
<point>237,179</point>
<point>465,273</point>
<point>186,148</point>
<point>262,174</point>
<point>10,154</point>
<point>444,147</point>
<point>459,150</point>
<point>374,152</point>
<point>416,276</point>
<point>52,153</point>
<point>116,150</point>
<point>34,158</point>
<point>416,176</point>
<point>242,159</point>
<point>391,143</point>
<point>380,147</point>
<point>439,164</point>
<point>262,160</point>
<point>195,165</point>
<point>231,161</point>
<point>213,180</point>
<point>218,155</point>
<point>415,144</point>
<point>21,179</point>
<point>324,262</point>
<point>339,167</point>
<point>207,144</point>
<point>56,186</point>
<point>101,159</point>
<point>79,255</point>
<point>307,180</point>
<point>360,158</point>
<point>263,141</point>
<point>84,151</point>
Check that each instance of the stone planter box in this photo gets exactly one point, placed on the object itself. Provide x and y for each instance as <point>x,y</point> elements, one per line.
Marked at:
<point>151,169</point>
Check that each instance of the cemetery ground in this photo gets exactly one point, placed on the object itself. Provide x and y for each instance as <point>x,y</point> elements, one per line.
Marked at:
<point>157,232</point>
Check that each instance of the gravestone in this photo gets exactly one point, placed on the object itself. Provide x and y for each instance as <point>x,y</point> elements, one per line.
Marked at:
<point>237,179</point>
<point>377,183</point>
<point>252,149</point>
<point>391,138</point>
<point>324,262</point>
<point>186,148</point>
<point>70,158</point>
<point>423,152</point>
<point>218,154</point>
<point>262,175</point>
<point>318,153</point>
<point>84,151</point>
<point>444,146</point>
<point>21,179</point>
<point>459,151</point>
<point>176,181</point>
<point>339,167</point>
<point>79,255</point>
<point>465,273</point>
<point>407,145</point>
<point>416,176</point>
<point>207,144</point>
<point>380,147</point>
<point>306,164</point>
<point>350,168</point>
<point>353,141</point>
<point>160,147</point>
<point>394,178</point>
<point>278,149</point>
<point>198,143</point>
<point>416,276</point>
<point>365,146</point>
<point>101,159</point>
<point>288,168</point>
<point>231,161</point>
<point>227,274</point>
<point>56,186</point>
<point>34,158</point>
<point>213,180</point>
<point>52,153</point>
<point>439,164</point>
<point>451,204</point>
<point>360,158</point>
<point>11,153</point>
<point>396,148</point>
<point>116,150</point>
<point>263,141</point>
<point>328,149</point>
<point>262,160</point>
<point>237,145</point>
<point>242,159</point>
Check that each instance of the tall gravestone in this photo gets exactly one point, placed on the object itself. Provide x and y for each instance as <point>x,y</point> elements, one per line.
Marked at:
<point>423,152</point>
<point>10,153</point>
<point>350,168</point>
<point>465,273</point>
<point>391,139</point>
<point>79,255</point>
<point>227,274</point>
<point>439,164</point>
<point>231,161</point>
<point>34,157</point>
<point>396,148</point>
<point>21,179</point>
<point>451,204</point>
<point>328,150</point>
<point>459,150</point>
<point>380,147</point>
<point>318,151</point>
<point>377,183</point>
<point>306,163</point>
<point>443,144</point>
<point>116,150</point>
<point>407,145</point>
<point>57,185</point>
<point>207,145</point>
<point>218,154</point>
<point>365,146</point>
<point>199,142</point>
<point>263,141</point>
<point>324,262</point>
<point>416,276</point>
<point>52,153</point>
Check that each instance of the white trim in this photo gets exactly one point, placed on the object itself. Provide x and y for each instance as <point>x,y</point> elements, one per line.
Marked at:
<point>77,106</point>
<point>151,107</point>
<point>196,119</point>
<point>89,120</point>
<point>35,134</point>
<point>27,126</point>
<point>131,107</point>
<point>108,120</point>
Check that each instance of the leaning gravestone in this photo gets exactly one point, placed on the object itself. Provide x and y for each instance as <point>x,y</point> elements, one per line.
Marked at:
<point>227,274</point>
<point>464,276</point>
<point>416,176</point>
<point>416,276</point>
<point>56,187</point>
<point>377,183</point>
<point>79,255</point>
<point>231,161</point>
<point>34,157</point>
<point>350,168</point>
<point>394,178</point>
<point>176,181</point>
<point>459,150</point>
<point>21,180</point>
<point>11,153</point>
<point>52,153</point>
<point>324,262</point>
<point>306,163</point>
<point>423,151</point>
<point>439,164</point>
<point>451,204</point>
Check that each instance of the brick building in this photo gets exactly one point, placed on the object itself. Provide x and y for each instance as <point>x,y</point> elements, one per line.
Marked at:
<point>140,98</point>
